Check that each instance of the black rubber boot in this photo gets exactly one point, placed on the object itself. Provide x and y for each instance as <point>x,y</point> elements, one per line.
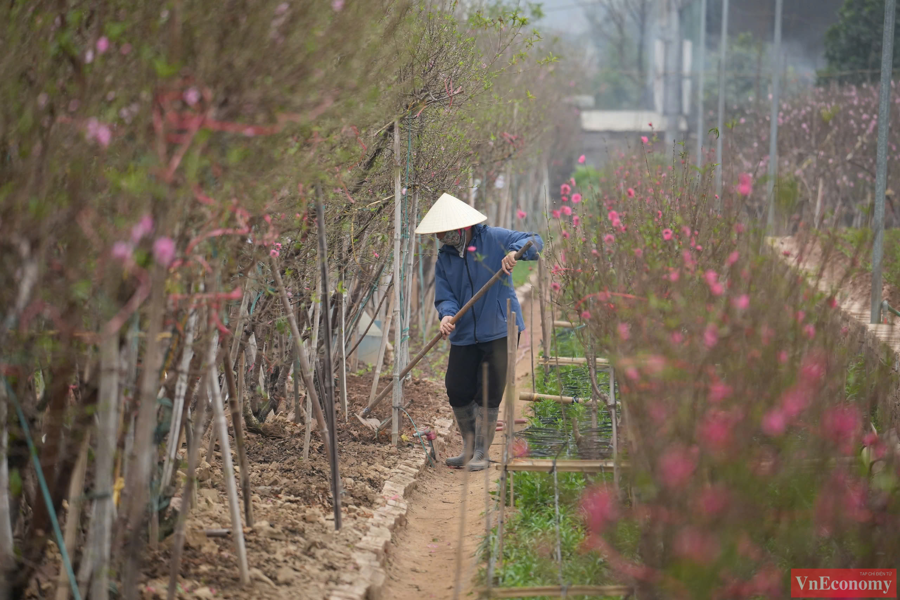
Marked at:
<point>465,420</point>
<point>483,439</point>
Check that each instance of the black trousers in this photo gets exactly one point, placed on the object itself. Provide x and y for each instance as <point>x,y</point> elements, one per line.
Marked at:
<point>465,372</point>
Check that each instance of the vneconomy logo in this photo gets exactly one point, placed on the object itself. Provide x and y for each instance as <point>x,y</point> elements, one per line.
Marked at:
<point>843,583</point>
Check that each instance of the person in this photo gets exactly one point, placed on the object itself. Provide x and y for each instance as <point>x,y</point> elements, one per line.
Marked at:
<point>470,254</point>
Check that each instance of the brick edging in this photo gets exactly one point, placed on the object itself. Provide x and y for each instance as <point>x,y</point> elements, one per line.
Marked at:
<point>370,553</point>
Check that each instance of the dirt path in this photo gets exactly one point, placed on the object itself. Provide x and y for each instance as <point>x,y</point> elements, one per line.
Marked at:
<point>423,561</point>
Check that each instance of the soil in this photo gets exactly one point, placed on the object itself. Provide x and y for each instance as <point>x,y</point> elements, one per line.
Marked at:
<point>293,550</point>
<point>425,556</point>
<point>852,283</point>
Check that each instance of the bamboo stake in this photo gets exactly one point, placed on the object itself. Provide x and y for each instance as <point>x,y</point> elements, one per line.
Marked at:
<point>385,333</point>
<point>299,348</point>
<point>510,418</point>
<point>343,342</point>
<point>545,324</point>
<point>234,401</point>
<point>228,468</point>
<point>487,482</point>
<point>7,559</point>
<point>178,406</point>
<point>457,587</point>
<point>187,496</point>
<point>398,283</point>
<point>73,514</point>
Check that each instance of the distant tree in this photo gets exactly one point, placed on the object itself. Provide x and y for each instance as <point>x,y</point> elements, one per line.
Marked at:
<point>853,44</point>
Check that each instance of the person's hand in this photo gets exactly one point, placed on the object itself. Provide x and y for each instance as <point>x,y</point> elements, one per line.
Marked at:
<point>509,262</point>
<point>447,327</point>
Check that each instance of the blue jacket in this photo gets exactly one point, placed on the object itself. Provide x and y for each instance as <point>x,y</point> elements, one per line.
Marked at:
<point>458,279</point>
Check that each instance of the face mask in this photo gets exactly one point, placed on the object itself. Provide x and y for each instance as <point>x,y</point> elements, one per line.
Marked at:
<point>454,238</point>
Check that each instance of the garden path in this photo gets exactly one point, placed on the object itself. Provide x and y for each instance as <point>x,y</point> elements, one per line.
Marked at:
<point>422,562</point>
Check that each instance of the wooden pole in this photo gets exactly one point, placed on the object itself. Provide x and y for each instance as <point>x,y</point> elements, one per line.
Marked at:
<point>398,286</point>
<point>510,417</point>
<point>228,471</point>
<point>234,404</point>
<point>178,406</point>
<point>190,488</point>
<point>545,324</point>
<point>487,481</point>
<point>343,342</point>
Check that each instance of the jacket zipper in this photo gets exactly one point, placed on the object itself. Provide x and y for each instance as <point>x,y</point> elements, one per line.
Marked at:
<point>472,285</point>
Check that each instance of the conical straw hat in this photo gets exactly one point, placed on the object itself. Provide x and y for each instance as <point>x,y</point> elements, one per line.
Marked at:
<point>447,214</point>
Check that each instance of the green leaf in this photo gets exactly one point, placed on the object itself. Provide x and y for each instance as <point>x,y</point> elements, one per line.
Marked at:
<point>164,70</point>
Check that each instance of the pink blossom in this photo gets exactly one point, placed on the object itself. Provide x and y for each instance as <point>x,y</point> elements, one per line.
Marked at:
<point>191,96</point>
<point>519,448</point>
<point>638,252</point>
<point>599,508</point>
<point>274,252</point>
<point>742,302</point>
<point>810,331</point>
<point>673,276</point>
<point>715,430</point>
<point>630,192</point>
<point>733,258</point>
<point>555,286</point>
<point>613,216</point>
<point>667,234</point>
<point>471,248</point>
<point>739,228</point>
<point>565,189</point>
<point>337,5</point>
<point>782,356</point>
<point>774,422</point>
<point>794,401</point>
<point>575,221</point>
<point>632,374</point>
<point>122,251</point>
<point>141,229</point>
<point>713,500</point>
<point>812,369</point>
<point>585,315</point>
<point>581,159</point>
<point>677,337</point>
<point>609,238</point>
<point>521,213</point>
<point>556,214</point>
<point>565,198</point>
<point>576,198</point>
<point>624,330</point>
<point>676,466</point>
<point>164,251</point>
<point>566,210</point>
<point>565,234</point>
<point>710,336</point>
<point>718,391</point>
<point>840,424</point>
<point>102,45</point>
<point>125,50</point>
<point>644,139</point>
